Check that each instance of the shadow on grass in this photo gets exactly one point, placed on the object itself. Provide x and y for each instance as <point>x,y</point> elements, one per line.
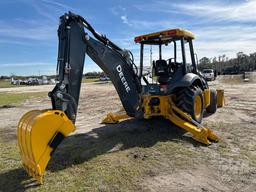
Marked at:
<point>79,148</point>
<point>16,180</point>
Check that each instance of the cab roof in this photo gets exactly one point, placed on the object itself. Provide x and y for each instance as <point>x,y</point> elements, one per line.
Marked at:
<point>163,37</point>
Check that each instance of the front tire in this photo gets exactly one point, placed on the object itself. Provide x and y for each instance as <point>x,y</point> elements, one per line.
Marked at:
<point>190,100</point>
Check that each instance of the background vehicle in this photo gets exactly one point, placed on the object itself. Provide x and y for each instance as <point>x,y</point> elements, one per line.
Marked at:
<point>180,93</point>
<point>32,81</point>
<point>209,74</point>
<point>104,78</point>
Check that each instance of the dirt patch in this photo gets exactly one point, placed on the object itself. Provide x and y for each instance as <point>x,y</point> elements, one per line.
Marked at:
<point>8,134</point>
<point>27,89</point>
<point>196,180</point>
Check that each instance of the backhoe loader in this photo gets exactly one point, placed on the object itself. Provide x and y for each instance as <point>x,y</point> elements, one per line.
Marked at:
<point>178,92</point>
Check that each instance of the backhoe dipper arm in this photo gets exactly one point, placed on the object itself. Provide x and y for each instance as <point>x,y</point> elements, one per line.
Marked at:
<point>74,43</point>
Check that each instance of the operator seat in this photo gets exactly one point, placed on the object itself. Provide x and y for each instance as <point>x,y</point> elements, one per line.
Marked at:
<point>161,71</point>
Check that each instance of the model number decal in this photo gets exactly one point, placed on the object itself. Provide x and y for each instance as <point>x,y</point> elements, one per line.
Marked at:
<point>121,75</point>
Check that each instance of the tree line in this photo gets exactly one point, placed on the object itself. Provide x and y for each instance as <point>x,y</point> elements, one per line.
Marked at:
<point>89,75</point>
<point>223,65</point>
<point>94,75</point>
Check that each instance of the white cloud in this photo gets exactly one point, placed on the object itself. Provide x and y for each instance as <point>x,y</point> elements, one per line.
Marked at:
<point>49,9</point>
<point>210,41</point>
<point>33,32</point>
<point>151,26</point>
<point>220,28</point>
<point>242,12</point>
<point>125,20</point>
<point>218,40</point>
<point>57,4</point>
<point>206,10</point>
<point>40,29</point>
<point>118,10</point>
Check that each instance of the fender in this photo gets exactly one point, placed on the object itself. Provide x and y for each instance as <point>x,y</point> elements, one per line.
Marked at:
<point>185,81</point>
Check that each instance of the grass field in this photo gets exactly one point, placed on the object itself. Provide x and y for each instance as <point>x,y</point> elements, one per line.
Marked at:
<point>6,84</point>
<point>85,80</point>
<point>16,98</point>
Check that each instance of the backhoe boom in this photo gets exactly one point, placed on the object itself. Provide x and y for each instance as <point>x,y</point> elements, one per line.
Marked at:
<point>74,43</point>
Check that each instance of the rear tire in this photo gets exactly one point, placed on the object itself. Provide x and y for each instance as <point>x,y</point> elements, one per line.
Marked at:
<point>212,108</point>
<point>190,100</point>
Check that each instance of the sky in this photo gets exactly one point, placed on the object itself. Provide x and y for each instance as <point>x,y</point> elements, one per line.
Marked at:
<point>28,32</point>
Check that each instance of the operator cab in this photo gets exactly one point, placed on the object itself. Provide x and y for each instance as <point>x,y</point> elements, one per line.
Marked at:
<point>175,65</point>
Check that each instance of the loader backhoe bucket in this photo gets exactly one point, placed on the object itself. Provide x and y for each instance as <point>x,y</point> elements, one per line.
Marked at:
<point>39,134</point>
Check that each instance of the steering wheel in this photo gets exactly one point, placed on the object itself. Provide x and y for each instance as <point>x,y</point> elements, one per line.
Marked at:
<point>171,65</point>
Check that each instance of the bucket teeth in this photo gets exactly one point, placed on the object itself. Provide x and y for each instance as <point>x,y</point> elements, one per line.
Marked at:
<point>37,132</point>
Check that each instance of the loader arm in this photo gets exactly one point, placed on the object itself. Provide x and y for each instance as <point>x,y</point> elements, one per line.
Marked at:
<point>74,44</point>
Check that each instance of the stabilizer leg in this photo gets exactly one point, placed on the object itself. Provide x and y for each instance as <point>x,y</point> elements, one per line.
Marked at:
<point>113,118</point>
<point>199,133</point>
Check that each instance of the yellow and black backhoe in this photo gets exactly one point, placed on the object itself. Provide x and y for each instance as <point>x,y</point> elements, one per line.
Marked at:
<point>178,92</point>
